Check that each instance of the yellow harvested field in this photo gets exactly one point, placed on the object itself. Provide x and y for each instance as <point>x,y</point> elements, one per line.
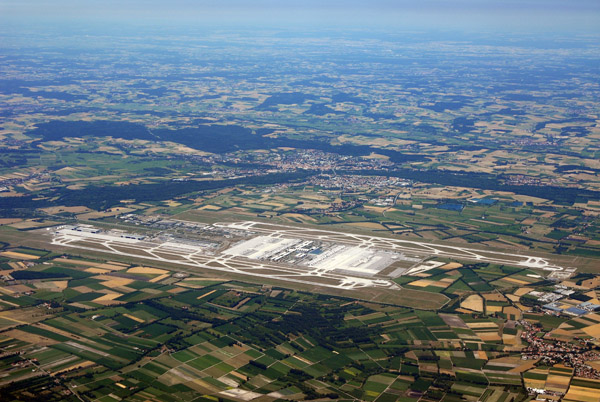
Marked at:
<point>524,367</point>
<point>102,277</point>
<point>374,155</point>
<point>206,294</point>
<point>104,214</point>
<point>83,289</point>
<point>368,225</point>
<point>508,360</point>
<point>116,282</point>
<point>591,283</point>
<point>134,318</point>
<point>238,375</point>
<point>522,307</point>
<point>317,197</point>
<point>18,288</point>
<point>479,325</point>
<point>31,224</point>
<point>509,339</point>
<point>480,354</point>
<point>147,270</point>
<point>489,336</point>
<point>522,291</point>
<point>493,309</point>
<point>563,379</point>
<point>512,311</point>
<point>17,265</point>
<point>109,296</point>
<point>592,330</point>
<point>209,207</point>
<point>531,383</point>
<point>558,383</point>
<point>517,281</point>
<point>313,205</point>
<point>584,394</point>
<point>451,265</point>
<point>579,394</point>
<point>66,170</point>
<point>593,316</point>
<point>120,264</point>
<point>160,278</point>
<point>473,302</point>
<point>421,283</point>
<point>9,221</point>
<point>30,338</point>
<point>84,364</point>
<point>21,256</point>
<point>97,270</point>
<point>109,302</point>
<point>513,298</point>
<point>529,221</point>
<point>190,285</point>
<point>57,331</point>
<point>493,297</point>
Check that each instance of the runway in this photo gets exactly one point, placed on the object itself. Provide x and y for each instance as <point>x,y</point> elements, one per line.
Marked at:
<point>405,246</point>
<point>328,273</point>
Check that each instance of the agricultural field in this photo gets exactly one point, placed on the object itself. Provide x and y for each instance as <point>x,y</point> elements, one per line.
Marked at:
<point>82,327</point>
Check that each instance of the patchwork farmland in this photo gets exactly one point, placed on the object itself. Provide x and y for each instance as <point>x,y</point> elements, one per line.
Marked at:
<point>146,315</point>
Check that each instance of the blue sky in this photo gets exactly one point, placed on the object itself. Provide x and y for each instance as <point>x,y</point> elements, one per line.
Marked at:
<point>507,15</point>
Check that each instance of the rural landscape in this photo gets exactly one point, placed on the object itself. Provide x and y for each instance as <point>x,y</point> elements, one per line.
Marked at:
<point>209,214</point>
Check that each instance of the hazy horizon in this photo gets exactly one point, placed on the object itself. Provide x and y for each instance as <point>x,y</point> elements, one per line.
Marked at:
<point>463,15</point>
